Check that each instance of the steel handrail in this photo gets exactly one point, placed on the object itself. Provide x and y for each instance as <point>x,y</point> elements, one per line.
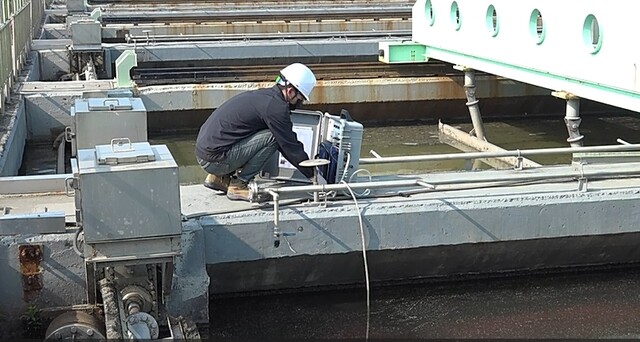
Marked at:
<point>511,153</point>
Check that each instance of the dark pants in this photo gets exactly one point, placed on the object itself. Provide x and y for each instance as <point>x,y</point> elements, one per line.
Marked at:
<point>250,155</point>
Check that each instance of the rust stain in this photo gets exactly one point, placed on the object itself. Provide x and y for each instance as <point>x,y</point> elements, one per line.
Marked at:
<point>197,95</point>
<point>30,257</point>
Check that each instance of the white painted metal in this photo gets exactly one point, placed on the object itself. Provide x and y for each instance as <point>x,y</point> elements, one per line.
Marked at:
<point>581,47</point>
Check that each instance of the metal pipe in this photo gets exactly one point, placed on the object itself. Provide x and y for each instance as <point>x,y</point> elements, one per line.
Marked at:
<point>375,154</point>
<point>623,141</point>
<point>510,153</point>
<point>553,173</point>
<point>472,103</point>
<point>331,187</point>
<point>276,217</point>
<point>572,120</point>
<point>60,157</point>
<point>266,36</point>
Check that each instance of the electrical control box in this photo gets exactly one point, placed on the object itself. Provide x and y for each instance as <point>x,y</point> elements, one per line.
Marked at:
<point>307,126</point>
<point>96,121</point>
<point>128,192</point>
<point>341,145</point>
<point>337,138</point>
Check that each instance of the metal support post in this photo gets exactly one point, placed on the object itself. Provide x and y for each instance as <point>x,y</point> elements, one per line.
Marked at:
<point>572,117</point>
<point>315,163</point>
<point>472,102</point>
<point>276,218</point>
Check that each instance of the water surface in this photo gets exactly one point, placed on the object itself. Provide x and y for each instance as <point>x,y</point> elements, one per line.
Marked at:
<point>418,139</point>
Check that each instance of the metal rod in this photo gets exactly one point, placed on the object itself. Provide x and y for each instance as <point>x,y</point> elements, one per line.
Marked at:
<point>516,153</point>
<point>217,14</point>
<point>276,218</point>
<point>375,154</point>
<point>552,173</point>
<point>331,187</point>
<point>268,36</point>
<point>623,141</point>
<point>60,157</point>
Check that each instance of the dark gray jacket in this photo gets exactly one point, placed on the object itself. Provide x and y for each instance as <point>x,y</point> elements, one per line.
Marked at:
<point>245,114</point>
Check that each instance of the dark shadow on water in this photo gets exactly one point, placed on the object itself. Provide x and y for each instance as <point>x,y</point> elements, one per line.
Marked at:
<point>575,303</point>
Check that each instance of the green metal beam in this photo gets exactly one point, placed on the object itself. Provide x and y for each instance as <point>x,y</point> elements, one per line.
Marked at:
<point>402,52</point>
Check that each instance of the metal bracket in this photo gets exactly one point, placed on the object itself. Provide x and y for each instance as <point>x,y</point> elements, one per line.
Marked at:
<point>30,257</point>
<point>68,134</point>
<point>583,183</point>
<point>70,185</point>
<point>276,236</point>
<point>402,52</point>
<point>519,162</point>
<point>324,203</point>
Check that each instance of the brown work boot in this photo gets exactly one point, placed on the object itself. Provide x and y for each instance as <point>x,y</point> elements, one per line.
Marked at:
<point>220,183</point>
<point>239,191</point>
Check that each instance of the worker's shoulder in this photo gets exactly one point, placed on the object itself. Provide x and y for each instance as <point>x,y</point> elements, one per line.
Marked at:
<point>271,91</point>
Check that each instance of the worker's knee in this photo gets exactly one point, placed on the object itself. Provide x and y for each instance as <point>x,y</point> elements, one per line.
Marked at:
<point>267,137</point>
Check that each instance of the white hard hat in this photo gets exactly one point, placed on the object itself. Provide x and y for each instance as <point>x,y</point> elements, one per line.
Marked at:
<point>301,77</point>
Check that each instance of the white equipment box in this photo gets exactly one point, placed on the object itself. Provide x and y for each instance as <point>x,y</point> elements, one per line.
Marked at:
<point>307,125</point>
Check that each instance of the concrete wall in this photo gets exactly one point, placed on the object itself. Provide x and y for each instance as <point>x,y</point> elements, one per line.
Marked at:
<point>53,64</point>
<point>14,123</point>
<point>48,115</point>
<point>62,279</point>
<point>413,234</point>
<point>13,141</point>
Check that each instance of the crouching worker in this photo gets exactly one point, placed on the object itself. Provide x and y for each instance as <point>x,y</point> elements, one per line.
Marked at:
<point>240,136</point>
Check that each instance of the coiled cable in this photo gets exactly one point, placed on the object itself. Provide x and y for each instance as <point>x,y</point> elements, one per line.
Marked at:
<point>75,242</point>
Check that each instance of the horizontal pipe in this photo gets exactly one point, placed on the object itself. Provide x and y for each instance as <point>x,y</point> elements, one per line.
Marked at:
<point>265,36</point>
<point>335,187</point>
<point>564,172</point>
<point>516,153</point>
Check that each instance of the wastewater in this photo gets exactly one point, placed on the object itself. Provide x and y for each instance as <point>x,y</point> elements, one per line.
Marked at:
<point>422,138</point>
<point>584,304</point>
<point>399,139</point>
<point>576,304</point>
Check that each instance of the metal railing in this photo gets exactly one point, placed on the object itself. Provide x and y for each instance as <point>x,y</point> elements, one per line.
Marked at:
<point>514,153</point>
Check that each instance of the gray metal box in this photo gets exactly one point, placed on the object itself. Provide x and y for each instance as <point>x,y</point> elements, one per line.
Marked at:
<point>345,135</point>
<point>76,5</point>
<point>98,120</point>
<point>86,35</point>
<point>124,197</point>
